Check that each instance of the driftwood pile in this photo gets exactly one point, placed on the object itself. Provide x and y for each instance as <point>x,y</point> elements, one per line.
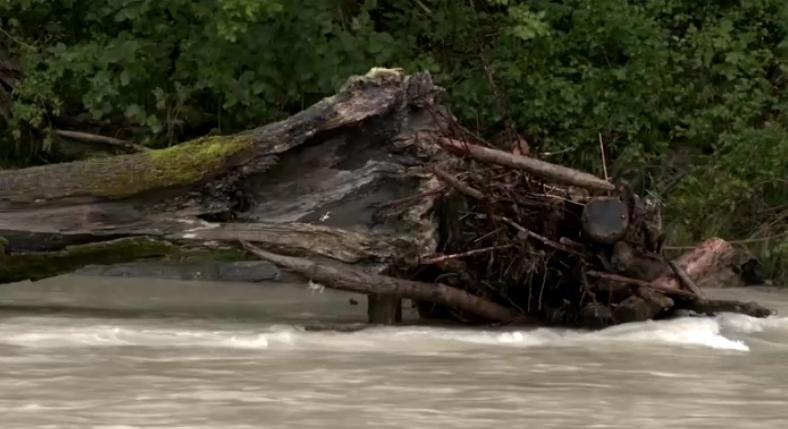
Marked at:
<point>372,190</point>
<point>522,240</point>
<point>559,246</point>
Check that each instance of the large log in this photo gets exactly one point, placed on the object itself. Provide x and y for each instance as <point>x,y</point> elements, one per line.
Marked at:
<point>605,219</point>
<point>310,185</point>
<point>374,95</point>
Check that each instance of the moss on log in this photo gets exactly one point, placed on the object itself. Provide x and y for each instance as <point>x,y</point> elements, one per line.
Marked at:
<point>39,265</point>
<point>125,175</point>
<point>118,177</point>
<point>315,184</point>
<point>33,266</point>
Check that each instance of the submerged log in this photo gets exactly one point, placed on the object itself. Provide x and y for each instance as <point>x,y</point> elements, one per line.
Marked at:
<point>344,277</point>
<point>644,305</point>
<point>384,309</point>
<point>715,306</point>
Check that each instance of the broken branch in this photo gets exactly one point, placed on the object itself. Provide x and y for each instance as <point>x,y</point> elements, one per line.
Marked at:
<point>96,138</point>
<point>457,184</point>
<point>535,167</point>
<point>345,277</point>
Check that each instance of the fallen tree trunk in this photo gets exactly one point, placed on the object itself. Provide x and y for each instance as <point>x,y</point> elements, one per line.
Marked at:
<point>308,185</point>
<point>344,277</point>
<point>207,158</point>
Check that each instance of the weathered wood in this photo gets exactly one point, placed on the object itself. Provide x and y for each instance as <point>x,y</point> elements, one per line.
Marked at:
<point>189,270</point>
<point>345,277</point>
<point>264,185</point>
<point>206,158</point>
<point>635,263</point>
<point>296,238</point>
<point>605,219</point>
<point>640,283</point>
<point>538,168</point>
<point>715,306</point>
<point>711,256</point>
<point>458,185</point>
<point>645,305</point>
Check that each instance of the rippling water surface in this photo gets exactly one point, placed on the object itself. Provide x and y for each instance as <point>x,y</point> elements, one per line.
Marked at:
<point>80,352</point>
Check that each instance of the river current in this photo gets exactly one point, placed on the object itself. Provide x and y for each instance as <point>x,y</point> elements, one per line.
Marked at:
<point>91,352</point>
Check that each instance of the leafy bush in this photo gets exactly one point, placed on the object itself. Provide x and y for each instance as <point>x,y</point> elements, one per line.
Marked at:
<point>175,67</point>
<point>689,98</point>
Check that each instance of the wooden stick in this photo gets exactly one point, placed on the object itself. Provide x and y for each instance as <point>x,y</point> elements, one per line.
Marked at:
<point>439,259</point>
<point>457,184</point>
<point>546,241</point>
<point>685,279</point>
<point>346,277</point>
<point>602,151</point>
<point>640,283</point>
<point>710,257</point>
<point>96,138</point>
<point>535,167</point>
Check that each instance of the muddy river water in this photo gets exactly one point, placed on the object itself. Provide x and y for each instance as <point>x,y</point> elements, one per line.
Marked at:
<point>91,352</point>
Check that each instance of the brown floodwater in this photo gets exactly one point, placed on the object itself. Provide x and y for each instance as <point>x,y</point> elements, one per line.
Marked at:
<point>91,352</point>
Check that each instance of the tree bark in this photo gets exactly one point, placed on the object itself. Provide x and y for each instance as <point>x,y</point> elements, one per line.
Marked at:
<point>310,185</point>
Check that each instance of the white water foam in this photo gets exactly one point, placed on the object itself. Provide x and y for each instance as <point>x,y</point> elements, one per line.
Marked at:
<point>114,336</point>
<point>724,332</point>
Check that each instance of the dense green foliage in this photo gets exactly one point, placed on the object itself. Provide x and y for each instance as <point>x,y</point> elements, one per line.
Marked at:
<point>689,97</point>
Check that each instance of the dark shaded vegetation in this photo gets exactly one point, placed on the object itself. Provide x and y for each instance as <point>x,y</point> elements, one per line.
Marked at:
<point>689,98</point>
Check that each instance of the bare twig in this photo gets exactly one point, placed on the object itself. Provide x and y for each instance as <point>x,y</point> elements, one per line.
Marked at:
<point>96,138</point>
<point>423,6</point>
<point>546,241</point>
<point>439,259</point>
<point>457,184</point>
<point>602,152</point>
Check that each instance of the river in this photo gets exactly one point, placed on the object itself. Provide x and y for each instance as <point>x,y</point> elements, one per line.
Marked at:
<point>90,352</point>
